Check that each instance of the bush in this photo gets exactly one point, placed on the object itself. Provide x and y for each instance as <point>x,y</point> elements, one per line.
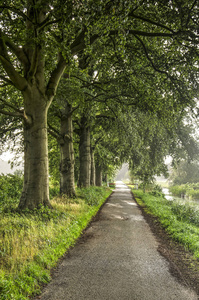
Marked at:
<point>186,212</point>
<point>92,194</point>
<point>194,194</point>
<point>178,190</point>
<point>10,189</point>
<point>188,189</point>
<point>157,191</point>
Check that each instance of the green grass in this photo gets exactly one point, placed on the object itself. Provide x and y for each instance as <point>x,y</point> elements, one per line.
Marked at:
<point>32,243</point>
<point>181,220</point>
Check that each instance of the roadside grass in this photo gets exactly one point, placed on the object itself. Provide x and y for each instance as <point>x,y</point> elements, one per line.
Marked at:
<point>31,243</point>
<point>181,220</point>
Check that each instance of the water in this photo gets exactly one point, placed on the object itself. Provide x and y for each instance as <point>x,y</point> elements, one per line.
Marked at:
<point>170,197</point>
<point>167,194</point>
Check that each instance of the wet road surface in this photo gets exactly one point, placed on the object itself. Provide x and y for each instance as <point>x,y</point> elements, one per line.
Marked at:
<point>117,260</point>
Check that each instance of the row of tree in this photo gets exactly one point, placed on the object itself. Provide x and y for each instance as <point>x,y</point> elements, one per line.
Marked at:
<point>109,81</point>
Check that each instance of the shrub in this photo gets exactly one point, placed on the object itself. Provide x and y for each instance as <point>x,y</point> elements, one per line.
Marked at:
<point>178,190</point>
<point>92,194</point>
<point>10,189</point>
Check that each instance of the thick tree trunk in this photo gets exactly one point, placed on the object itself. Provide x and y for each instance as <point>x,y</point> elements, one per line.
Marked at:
<point>98,175</point>
<point>84,155</point>
<point>36,182</point>
<point>93,182</point>
<point>67,183</point>
<point>38,91</point>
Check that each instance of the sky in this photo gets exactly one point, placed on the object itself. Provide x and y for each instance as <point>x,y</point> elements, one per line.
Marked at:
<point>6,156</point>
<point>5,167</point>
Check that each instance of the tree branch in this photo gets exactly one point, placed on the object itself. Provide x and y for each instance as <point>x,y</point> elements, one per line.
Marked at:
<point>10,129</point>
<point>79,44</point>
<point>6,80</point>
<point>145,33</point>
<point>34,63</point>
<point>15,10</point>
<point>74,109</point>
<point>45,23</point>
<point>11,106</point>
<point>151,61</point>
<point>53,131</point>
<point>18,81</point>
<point>55,78</point>
<point>13,114</point>
<point>17,113</point>
<point>150,21</point>
<point>16,50</point>
<point>189,15</point>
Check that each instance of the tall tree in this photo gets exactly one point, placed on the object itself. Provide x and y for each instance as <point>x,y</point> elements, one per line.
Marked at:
<point>34,67</point>
<point>38,40</point>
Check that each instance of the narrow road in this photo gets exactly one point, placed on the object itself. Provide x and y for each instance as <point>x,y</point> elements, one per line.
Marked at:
<point>116,260</point>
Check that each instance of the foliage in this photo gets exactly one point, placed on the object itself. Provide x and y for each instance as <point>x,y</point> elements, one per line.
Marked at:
<point>54,187</point>
<point>11,187</point>
<point>179,219</point>
<point>185,172</point>
<point>143,59</point>
<point>178,190</point>
<point>10,190</point>
<point>156,191</point>
<point>188,212</point>
<point>92,195</point>
<point>32,242</point>
<point>190,190</point>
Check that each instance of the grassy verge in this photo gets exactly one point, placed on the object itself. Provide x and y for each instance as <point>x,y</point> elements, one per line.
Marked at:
<point>181,220</point>
<point>32,243</point>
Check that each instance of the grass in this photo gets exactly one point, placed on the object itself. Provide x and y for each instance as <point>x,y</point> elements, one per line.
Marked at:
<point>32,243</point>
<point>181,220</point>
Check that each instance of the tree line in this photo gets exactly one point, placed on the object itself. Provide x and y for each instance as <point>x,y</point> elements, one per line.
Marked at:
<point>92,84</point>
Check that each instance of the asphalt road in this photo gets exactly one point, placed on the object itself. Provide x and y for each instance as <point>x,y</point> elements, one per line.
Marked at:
<point>116,260</point>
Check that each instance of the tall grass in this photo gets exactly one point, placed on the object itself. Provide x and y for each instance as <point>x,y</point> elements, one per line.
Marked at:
<point>181,220</point>
<point>31,243</point>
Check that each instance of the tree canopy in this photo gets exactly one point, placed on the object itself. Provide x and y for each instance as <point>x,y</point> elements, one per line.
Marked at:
<point>134,63</point>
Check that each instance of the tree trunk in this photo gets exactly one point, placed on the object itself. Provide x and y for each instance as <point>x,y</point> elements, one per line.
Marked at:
<point>92,167</point>
<point>67,184</point>
<point>84,155</point>
<point>36,176</point>
<point>98,175</point>
<point>105,178</point>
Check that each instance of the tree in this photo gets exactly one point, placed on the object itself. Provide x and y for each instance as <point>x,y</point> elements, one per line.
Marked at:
<point>33,61</point>
<point>64,138</point>
<point>185,172</point>
<point>39,39</point>
<point>60,126</point>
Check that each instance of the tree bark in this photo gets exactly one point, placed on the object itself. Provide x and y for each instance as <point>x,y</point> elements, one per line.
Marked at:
<point>67,181</point>
<point>98,175</point>
<point>36,182</point>
<point>84,154</point>
<point>105,178</point>
<point>93,181</point>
